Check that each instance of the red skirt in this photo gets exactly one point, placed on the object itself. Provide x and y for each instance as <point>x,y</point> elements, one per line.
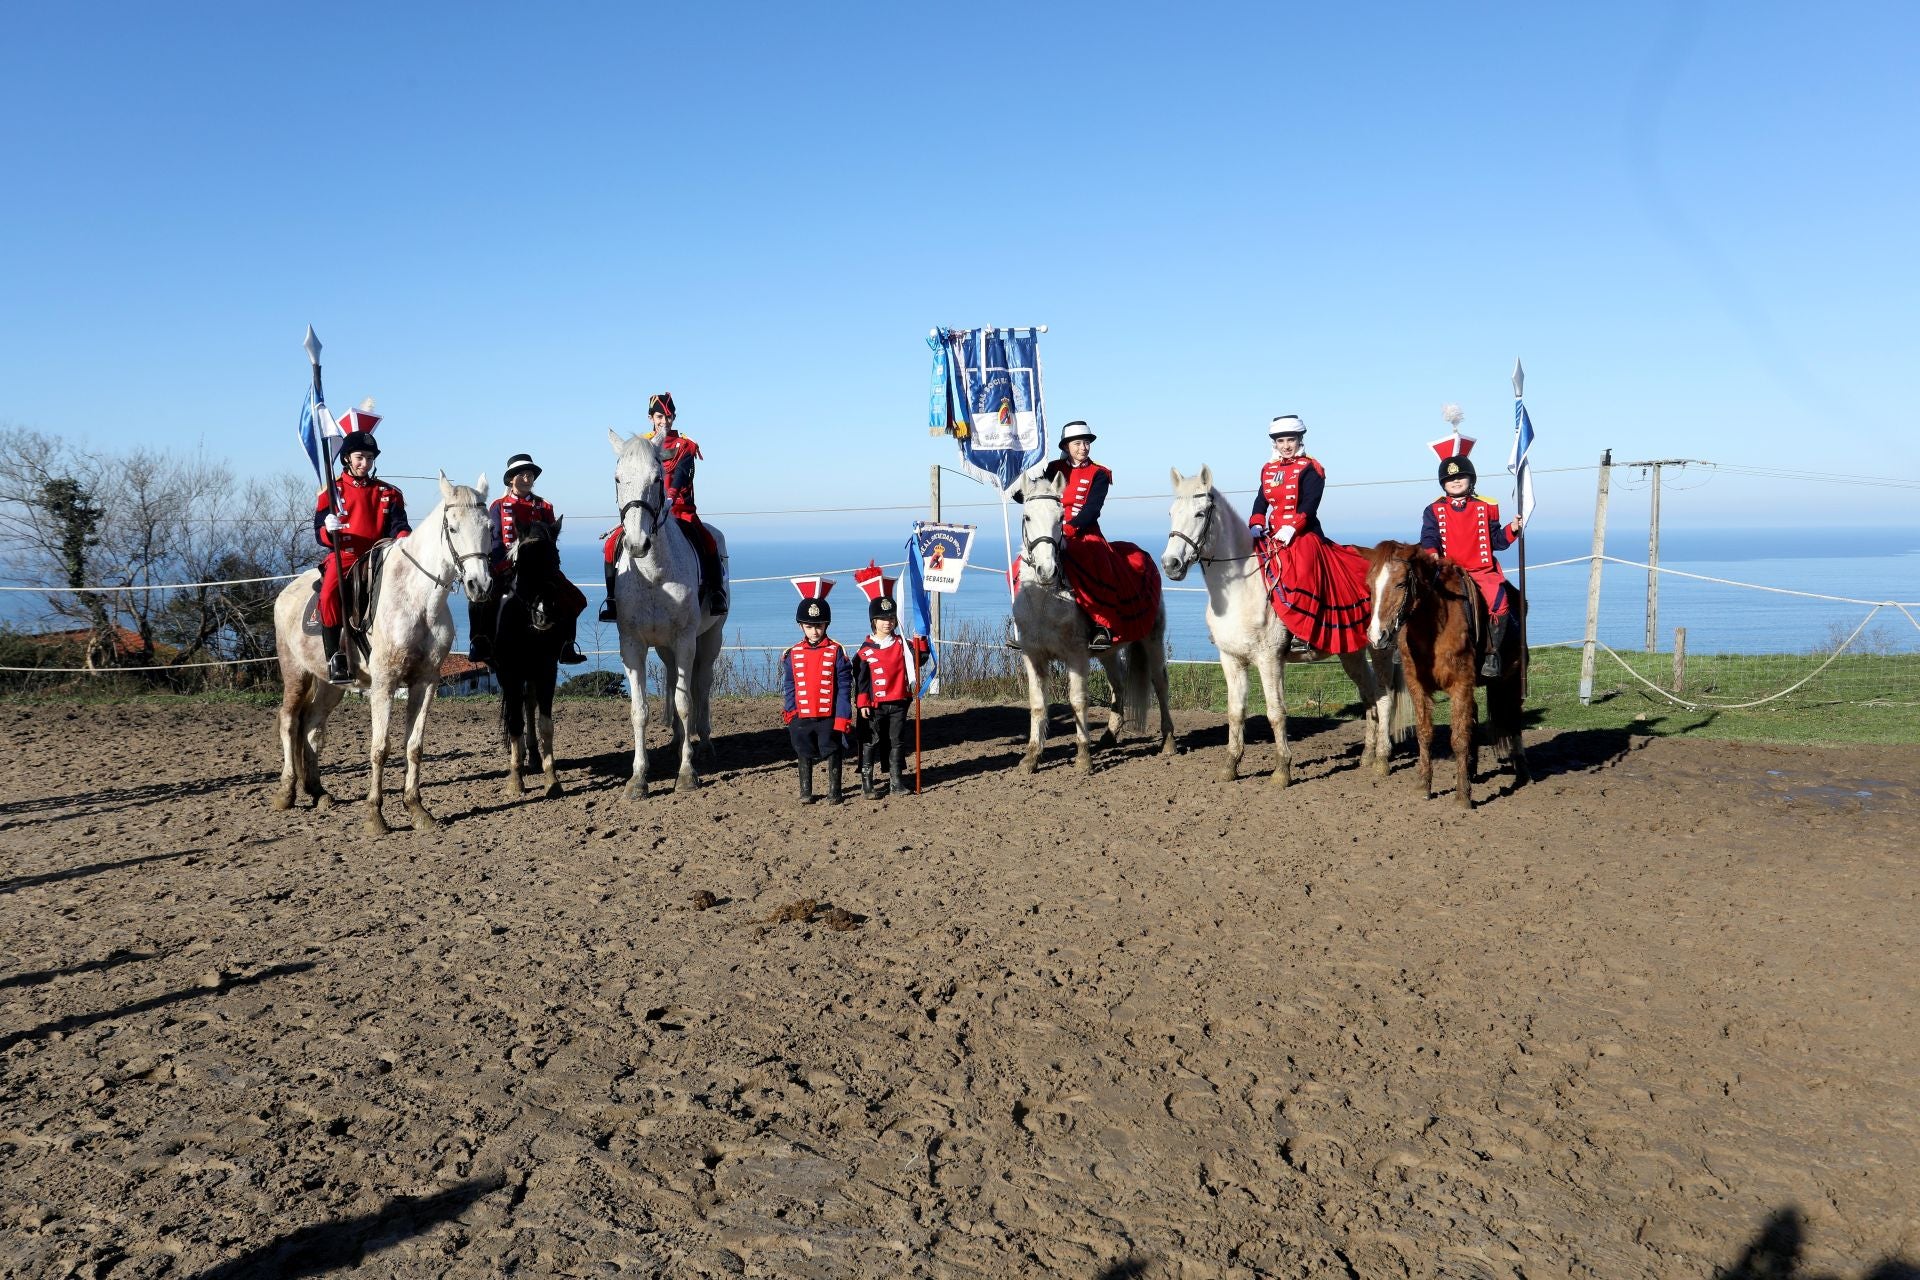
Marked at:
<point>1117,583</point>
<point>1319,591</point>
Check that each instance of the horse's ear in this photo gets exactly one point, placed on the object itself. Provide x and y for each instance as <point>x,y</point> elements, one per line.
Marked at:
<point>618,444</point>
<point>1177,477</point>
<point>1206,476</point>
<point>480,486</point>
<point>558,521</point>
<point>446,488</point>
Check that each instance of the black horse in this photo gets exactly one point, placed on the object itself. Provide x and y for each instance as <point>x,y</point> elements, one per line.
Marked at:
<point>526,653</point>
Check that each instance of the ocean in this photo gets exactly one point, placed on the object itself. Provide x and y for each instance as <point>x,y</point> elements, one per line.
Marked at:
<point>1861,563</point>
<point>1867,564</point>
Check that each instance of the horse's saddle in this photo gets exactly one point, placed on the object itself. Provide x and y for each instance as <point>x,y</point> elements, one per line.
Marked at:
<point>360,595</point>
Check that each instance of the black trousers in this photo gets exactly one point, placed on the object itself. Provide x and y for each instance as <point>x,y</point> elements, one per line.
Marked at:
<point>815,739</point>
<point>883,735</point>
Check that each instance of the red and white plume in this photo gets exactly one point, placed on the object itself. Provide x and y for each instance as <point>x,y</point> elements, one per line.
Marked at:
<point>1455,445</point>
<point>812,588</point>
<point>361,419</point>
<point>874,581</point>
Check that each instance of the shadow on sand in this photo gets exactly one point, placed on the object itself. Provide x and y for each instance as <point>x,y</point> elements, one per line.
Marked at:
<point>332,1246</point>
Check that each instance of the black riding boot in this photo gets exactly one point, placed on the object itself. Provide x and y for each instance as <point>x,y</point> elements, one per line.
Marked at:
<point>480,620</point>
<point>606,609</point>
<point>570,654</point>
<point>866,772</point>
<point>833,778</point>
<point>1490,668</point>
<point>897,768</point>
<point>337,670</point>
<point>806,779</point>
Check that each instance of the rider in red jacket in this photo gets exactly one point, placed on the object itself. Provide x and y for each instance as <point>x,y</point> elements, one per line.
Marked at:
<point>511,512</point>
<point>1465,528</point>
<point>369,511</point>
<point>679,456</point>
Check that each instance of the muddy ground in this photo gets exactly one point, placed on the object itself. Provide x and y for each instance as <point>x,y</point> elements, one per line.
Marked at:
<point>1654,1015</point>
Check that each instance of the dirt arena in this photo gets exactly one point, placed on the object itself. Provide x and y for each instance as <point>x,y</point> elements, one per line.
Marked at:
<point>1654,1016</point>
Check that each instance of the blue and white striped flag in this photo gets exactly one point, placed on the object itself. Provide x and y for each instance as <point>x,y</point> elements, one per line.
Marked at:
<point>320,435</point>
<point>1517,464</point>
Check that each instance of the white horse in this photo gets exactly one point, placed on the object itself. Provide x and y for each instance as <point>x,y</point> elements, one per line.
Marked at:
<point>657,599</point>
<point>1052,629</point>
<point>1240,618</point>
<point>411,633</point>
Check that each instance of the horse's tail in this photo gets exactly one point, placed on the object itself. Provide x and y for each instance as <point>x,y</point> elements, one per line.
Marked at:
<point>1400,716</point>
<point>1136,684</point>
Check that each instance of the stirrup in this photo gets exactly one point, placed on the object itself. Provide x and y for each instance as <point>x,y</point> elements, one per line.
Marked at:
<point>1101,641</point>
<point>338,671</point>
<point>570,654</point>
<point>606,612</point>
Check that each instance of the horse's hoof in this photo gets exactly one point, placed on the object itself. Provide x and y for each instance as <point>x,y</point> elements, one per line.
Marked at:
<point>1106,741</point>
<point>422,820</point>
<point>1168,747</point>
<point>553,791</point>
<point>283,798</point>
<point>322,800</point>
<point>1083,761</point>
<point>1283,777</point>
<point>685,782</point>
<point>514,786</point>
<point>376,824</point>
<point>1028,763</point>
<point>636,789</point>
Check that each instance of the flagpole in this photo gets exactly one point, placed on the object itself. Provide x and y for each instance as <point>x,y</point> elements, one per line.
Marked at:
<point>1520,539</point>
<point>312,345</point>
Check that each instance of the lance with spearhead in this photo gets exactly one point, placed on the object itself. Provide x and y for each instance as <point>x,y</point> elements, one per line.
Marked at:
<point>312,345</point>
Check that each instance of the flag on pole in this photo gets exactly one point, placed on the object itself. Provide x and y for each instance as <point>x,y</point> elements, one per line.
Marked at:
<point>1517,463</point>
<point>320,435</point>
<point>922,608</point>
<point>987,395</point>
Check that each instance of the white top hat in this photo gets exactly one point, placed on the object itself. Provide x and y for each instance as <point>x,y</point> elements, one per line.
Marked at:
<point>1076,430</point>
<point>1287,424</point>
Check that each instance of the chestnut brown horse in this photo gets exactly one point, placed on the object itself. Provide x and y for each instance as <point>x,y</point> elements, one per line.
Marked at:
<point>1433,612</point>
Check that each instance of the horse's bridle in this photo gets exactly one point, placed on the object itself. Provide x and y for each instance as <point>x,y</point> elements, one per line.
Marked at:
<point>1050,539</point>
<point>650,509</point>
<point>1392,629</point>
<point>453,553</point>
<point>539,608</point>
<point>1206,531</point>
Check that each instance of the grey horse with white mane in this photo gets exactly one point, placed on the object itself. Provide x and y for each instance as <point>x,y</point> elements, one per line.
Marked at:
<point>657,600</point>
<point>410,634</point>
<point>1207,531</point>
<point>1052,629</point>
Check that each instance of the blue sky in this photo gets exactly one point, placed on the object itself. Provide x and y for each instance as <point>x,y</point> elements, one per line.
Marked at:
<point>1693,222</point>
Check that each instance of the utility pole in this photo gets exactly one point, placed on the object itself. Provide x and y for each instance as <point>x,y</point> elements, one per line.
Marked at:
<point>1653,546</point>
<point>1593,580</point>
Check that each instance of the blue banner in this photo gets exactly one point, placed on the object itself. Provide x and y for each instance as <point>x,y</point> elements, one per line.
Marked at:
<point>922,610</point>
<point>319,435</point>
<point>988,396</point>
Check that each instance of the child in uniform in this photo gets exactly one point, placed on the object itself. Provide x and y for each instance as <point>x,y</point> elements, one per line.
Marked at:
<point>886,672</point>
<point>816,690</point>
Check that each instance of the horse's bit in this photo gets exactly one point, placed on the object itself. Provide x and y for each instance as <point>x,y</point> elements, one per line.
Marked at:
<point>1050,539</point>
<point>1206,531</point>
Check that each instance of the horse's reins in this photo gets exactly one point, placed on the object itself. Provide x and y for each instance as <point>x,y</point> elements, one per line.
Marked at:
<point>453,552</point>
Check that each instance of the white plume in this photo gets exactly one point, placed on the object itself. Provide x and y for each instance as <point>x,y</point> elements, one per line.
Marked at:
<point>366,406</point>
<point>1452,414</point>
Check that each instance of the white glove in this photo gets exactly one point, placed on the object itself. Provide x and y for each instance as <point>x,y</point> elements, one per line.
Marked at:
<point>1286,534</point>
<point>332,523</point>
